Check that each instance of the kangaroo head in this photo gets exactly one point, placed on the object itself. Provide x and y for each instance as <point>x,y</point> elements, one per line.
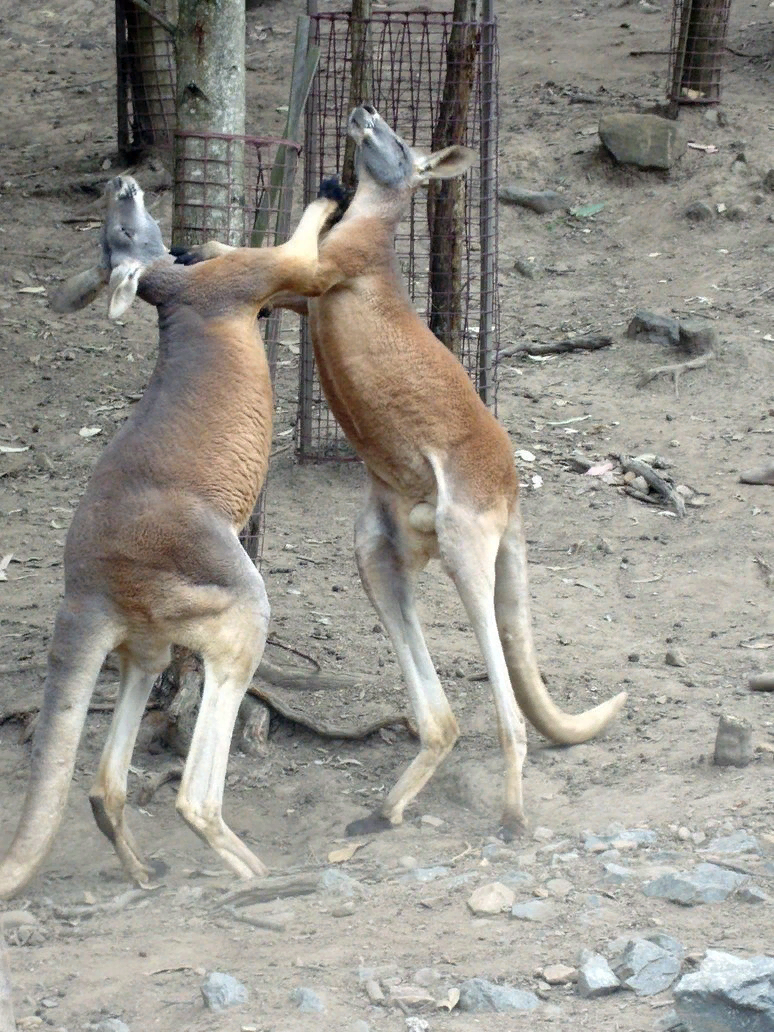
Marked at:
<point>385,161</point>
<point>131,241</point>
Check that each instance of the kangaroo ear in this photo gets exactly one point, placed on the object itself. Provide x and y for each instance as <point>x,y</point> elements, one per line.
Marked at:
<point>123,287</point>
<point>446,163</point>
<point>79,290</point>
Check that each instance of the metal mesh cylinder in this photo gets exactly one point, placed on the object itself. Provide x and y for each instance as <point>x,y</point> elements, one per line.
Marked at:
<point>411,57</point>
<point>696,50</point>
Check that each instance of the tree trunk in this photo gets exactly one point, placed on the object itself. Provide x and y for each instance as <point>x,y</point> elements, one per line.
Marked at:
<point>446,197</point>
<point>360,80</point>
<point>209,172</point>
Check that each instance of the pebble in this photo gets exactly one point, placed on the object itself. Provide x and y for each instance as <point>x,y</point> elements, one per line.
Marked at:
<point>595,976</point>
<point>733,743</point>
<point>559,974</point>
<point>737,842</point>
<point>493,898</point>
<point>307,1000</point>
<point>559,887</point>
<point>220,991</point>
<point>478,994</point>
<point>538,910</point>
<point>112,1025</point>
<point>707,883</point>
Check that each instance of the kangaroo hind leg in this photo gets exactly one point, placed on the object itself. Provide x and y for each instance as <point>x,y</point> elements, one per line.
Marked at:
<point>469,541</point>
<point>108,794</point>
<point>231,644</point>
<point>388,566</point>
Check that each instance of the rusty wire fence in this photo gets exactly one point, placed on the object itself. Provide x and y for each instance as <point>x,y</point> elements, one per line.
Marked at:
<point>413,65</point>
<point>697,46</point>
<point>145,74</point>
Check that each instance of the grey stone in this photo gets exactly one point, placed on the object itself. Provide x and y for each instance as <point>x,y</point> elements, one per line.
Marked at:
<point>220,991</point>
<point>708,883</point>
<point>698,211</point>
<point>525,268</point>
<point>340,883</point>
<point>768,181</point>
<point>660,328</point>
<point>753,894</point>
<point>596,977</point>
<point>696,337</point>
<point>517,878</point>
<point>636,836</point>
<point>733,742</point>
<point>111,1025</point>
<point>670,1022</point>
<point>478,994</point>
<point>541,201</point>
<point>728,994</point>
<point>616,874</point>
<point>647,967</point>
<point>740,841</point>
<point>647,141</point>
<point>307,1000</point>
<point>426,874</point>
<point>533,910</point>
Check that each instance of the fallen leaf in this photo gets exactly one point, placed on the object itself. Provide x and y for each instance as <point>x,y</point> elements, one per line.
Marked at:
<point>340,856</point>
<point>583,211</point>
<point>3,564</point>
<point>451,1000</point>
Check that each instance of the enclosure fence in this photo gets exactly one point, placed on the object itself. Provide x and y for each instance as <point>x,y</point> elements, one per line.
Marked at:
<point>429,78</point>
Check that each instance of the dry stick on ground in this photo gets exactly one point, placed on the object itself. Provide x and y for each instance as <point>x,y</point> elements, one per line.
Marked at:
<point>591,342</point>
<point>674,370</point>
<point>665,489</point>
<point>762,682</point>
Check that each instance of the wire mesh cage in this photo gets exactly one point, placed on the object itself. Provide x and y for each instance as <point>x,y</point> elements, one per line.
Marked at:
<point>145,80</point>
<point>697,44</point>
<point>434,81</point>
<point>227,188</point>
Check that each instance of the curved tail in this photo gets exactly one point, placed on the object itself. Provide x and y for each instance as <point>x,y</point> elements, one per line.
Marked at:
<point>515,627</point>
<point>74,662</point>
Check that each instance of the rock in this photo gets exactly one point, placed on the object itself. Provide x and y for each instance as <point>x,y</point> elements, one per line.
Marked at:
<point>648,968</point>
<point>426,874</point>
<point>478,994</point>
<point>517,878</point>
<point>698,211</point>
<point>533,910</point>
<point>619,838</point>
<point>647,141</point>
<point>493,898</point>
<point>339,883</point>
<point>658,328</point>
<point>740,841</point>
<point>541,834</point>
<point>616,874</point>
<point>559,974</point>
<point>675,658</point>
<point>768,181</point>
<point>111,1025</point>
<point>559,887</point>
<point>417,1024</point>
<point>596,977</point>
<point>374,991</point>
<point>670,1022</point>
<point>410,996</point>
<point>526,267</point>
<point>697,336</point>
<point>220,991</point>
<point>759,475</point>
<point>728,994</point>
<point>541,201</point>
<point>307,1000</point>
<point>733,742</point>
<point>752,894</point>
<point>708,883</point>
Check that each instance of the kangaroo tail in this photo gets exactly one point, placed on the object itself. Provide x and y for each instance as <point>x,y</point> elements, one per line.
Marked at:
<point>77,651</point>
<point>515,627</point>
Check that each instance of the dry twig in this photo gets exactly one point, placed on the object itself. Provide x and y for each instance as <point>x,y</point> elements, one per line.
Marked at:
<point>674,370</point>
<point>665,489</point>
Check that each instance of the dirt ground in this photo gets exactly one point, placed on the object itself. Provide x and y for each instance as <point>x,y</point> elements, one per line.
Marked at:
<point>616,583</point>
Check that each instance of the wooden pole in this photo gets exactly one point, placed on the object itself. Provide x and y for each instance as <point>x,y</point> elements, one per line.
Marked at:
<point>361,72</point>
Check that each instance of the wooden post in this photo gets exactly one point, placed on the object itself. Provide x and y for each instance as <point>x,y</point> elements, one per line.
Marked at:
<point>445,198</point>
<point>361,73</point>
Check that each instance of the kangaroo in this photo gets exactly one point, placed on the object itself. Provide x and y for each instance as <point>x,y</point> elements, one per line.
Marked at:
<point>441,477</point>
<point>152,556</point>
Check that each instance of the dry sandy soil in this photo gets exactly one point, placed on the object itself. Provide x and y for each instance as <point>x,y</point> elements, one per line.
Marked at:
<point>616,583</point>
